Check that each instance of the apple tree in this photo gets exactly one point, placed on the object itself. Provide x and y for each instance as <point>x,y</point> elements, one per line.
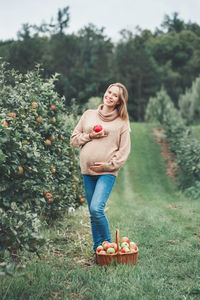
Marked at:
<point>39,172</point>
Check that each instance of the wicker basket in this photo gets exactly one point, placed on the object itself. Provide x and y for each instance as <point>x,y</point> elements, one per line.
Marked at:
<point>129,258</point>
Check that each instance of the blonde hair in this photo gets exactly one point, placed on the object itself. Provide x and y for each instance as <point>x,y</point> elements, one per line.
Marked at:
<point>123,98</point>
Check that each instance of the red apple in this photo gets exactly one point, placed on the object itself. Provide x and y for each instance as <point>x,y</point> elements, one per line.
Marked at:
<point>39,120</point>
<point>114,246</point>
<point>105,242</point>
<point>4,123</point>
<point>102,252</point>
<point>11,114</point>
<point>132,250</point>
<point>124,239</point>
<point>48,142</point>
<point>99,248</point>
<point>53,107</point>
<point>124,244</point>
<point>106,246</point>
<point>34,104</point>
<point>110,250</point>
<point>97,128</point>
<point>48,195</point>
<point>125,250</point>
<point>133,246</point>
<point>81,199</point>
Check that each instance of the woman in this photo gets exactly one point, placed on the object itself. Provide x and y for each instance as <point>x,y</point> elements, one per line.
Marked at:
<point>103,154</point>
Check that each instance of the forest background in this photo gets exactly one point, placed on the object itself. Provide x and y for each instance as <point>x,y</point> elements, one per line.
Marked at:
<point>145,61</point>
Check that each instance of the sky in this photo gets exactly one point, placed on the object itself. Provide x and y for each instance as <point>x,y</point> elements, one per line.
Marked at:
<point>113,15</point>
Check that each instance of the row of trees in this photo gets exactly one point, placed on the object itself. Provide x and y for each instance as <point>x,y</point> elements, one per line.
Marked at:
<point>39,171</point>
<point>180,137</point>
<point>88,61</point>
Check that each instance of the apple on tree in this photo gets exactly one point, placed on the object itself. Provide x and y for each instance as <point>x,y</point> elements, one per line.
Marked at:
<point>34,104</point>
<point>48,142</point>
<point>4,123</point>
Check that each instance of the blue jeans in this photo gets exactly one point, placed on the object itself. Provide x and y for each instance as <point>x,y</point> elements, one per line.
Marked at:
<point>97,190</point>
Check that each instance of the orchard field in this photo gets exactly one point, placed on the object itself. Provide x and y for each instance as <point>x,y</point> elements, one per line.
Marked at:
<point>146,206</point>
<point>45,238</point>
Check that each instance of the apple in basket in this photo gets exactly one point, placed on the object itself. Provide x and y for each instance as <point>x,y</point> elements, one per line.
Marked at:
<point>124,244</point>
<point>125,250</point>
<point>110,250</point>
<point>114,245</point>
<point>105,245</point>
<point>100,248</point>
<point>124,239</point>
<point>97,128</point>
<point>133,246</point>
<point>105,242</point>
<point>102,252</point>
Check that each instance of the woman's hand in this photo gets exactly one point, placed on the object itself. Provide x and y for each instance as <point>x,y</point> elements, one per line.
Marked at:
<point>97,135</point>
<point>97,167</point>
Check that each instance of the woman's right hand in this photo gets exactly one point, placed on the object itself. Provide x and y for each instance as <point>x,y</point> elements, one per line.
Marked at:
<point>97,135</point>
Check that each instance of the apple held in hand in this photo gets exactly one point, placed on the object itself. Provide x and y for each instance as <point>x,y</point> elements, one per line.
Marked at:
<point>97,128</point>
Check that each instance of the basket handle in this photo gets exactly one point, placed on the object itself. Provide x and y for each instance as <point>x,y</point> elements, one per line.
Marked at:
<point>117,239</point>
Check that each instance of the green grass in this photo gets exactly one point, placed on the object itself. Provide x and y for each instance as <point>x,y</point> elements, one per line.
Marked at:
<point>196,130</point>
<point>144,205</point>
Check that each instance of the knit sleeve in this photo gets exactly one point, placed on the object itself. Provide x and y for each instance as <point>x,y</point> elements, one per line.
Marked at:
<point>121,155</point>
<point>79,137</point>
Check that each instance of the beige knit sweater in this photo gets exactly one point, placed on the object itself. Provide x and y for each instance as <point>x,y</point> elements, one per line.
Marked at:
<point>113,149</point>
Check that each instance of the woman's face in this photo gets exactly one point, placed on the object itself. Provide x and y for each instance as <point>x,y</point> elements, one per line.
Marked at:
<point>111,96</point>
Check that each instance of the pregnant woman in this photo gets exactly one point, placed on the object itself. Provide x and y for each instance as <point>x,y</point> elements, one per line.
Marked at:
<point>104,149</point>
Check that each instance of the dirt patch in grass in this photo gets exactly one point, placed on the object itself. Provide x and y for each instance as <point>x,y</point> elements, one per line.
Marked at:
<point>167,155</point>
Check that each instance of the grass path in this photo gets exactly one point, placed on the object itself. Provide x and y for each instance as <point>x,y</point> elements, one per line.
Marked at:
<point>146,206</point>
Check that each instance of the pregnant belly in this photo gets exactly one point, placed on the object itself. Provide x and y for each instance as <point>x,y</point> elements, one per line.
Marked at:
<point>91,153</point>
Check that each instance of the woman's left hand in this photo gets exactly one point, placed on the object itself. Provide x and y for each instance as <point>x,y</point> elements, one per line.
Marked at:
<point>97,167</point>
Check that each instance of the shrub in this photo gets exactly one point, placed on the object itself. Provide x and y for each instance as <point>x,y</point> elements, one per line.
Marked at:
<point>158,106</point>
<point>189,103</point>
